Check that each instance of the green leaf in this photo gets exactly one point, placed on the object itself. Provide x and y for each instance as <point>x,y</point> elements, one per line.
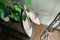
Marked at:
<point>6,12</point>
<point>28,10</point>
<point>15,16</point>
<point>6,3</point>
<point>10,5</point>
<point>29,2</point>
<point>24,17</point>
<point>2,6</point>
<point>17,8</point>
<point>1,12</point>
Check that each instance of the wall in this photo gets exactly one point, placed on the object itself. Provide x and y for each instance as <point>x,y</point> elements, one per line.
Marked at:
<point>47,9</point>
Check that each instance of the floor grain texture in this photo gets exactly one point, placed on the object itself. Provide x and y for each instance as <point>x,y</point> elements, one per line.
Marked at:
<point>37,31</point>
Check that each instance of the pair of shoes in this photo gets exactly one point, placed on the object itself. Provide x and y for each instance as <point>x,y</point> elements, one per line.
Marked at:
<point>26,24</point>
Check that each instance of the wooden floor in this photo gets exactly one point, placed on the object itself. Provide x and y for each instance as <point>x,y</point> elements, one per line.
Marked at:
<point>37,31</point>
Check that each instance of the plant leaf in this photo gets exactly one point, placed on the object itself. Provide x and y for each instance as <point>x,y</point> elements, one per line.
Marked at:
<point>1,12</point>
<point>2,6</point>
<point>6,12</point>
<point>24,17</point>
<point>28,10</point>
<point>29,2</point>
<point>17,8</point>
<point>15,16</point>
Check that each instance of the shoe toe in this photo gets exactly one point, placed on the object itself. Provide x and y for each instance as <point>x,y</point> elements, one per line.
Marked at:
<point>27,28</point>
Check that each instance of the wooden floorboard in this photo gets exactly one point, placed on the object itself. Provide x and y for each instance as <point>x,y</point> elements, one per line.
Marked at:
<point>37,31</point>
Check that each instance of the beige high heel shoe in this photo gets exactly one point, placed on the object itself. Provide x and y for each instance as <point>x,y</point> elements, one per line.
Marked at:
<point>27,26</point>
<point>34,18</point>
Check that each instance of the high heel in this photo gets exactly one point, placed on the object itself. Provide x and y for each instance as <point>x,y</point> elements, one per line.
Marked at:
<point>32,16</point>
<point>27,26</point>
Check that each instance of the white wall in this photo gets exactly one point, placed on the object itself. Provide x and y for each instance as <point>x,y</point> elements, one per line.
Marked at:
<point>47,9</point>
